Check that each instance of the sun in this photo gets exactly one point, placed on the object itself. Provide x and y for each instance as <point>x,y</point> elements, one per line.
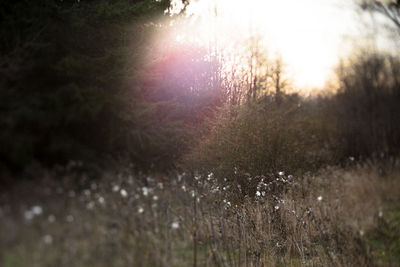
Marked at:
<point>307,34</point>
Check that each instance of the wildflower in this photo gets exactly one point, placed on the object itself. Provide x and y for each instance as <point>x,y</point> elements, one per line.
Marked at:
<point>51,218</point>
<point>175,225</point>
<point>319,198</point>
<point>210,176</point>
<point>192,193</point>
<point>90,205</point>
<point>290,176</point>
<point>140,210</point>
<point>362,232</point>
<point>160,185</point>
<point>86,192</point>
<point>183,188</point>
<point>380,214</point>
<point>180,177</point>
<point>155,198</point>
<point>69,218</point>
<point>276,207</point>
<point>215,190</point>
<point>281,173</point>
<point>28,215</point>
<point>123,193</point>
<point>48,239</point>
<point>37,210</point>
<point>145,191</point>
<point>115,188</point>
<point>258,193</point>
<point>101,200</point>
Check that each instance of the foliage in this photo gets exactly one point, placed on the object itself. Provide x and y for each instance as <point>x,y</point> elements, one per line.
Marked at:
<point>70,87</point>
<point>265,138</point>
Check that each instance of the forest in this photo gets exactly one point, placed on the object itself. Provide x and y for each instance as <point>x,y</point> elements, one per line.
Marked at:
<point>162,133</point>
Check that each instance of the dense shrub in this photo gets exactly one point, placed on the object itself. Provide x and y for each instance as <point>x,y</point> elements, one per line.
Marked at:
<point>265,138</point>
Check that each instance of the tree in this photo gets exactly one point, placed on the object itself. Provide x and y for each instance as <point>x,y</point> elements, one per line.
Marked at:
<point>390,9</point>
<point>67,81</point>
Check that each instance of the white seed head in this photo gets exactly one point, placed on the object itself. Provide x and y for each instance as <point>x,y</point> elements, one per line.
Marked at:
<point>90,205</point>
<point>28,215</point>
<point>115,188</point>
<point>51,218</point>
<point>123,193</point>
<point>160,185</point>
<point>37,210</point>
<point>145,191</point>
<point>69,218</point>
<point>175,225</point>
<point>48,239</point>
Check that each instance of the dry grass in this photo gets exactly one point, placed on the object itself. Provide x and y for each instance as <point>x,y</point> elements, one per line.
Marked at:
<point>321,219</point>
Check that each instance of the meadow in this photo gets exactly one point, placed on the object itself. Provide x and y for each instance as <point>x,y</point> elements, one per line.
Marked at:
<point>339,216</point>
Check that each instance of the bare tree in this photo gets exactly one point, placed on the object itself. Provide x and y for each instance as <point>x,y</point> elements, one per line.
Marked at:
<point>389,9</point>
<point>279,82</point>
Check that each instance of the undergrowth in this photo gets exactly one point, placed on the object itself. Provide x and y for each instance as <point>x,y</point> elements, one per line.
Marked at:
<point>334,217</point>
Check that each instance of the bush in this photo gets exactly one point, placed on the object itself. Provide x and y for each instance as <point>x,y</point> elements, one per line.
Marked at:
<point>265,138</point>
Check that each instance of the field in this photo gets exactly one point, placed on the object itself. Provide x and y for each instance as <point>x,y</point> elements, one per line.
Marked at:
<point>340,216</point>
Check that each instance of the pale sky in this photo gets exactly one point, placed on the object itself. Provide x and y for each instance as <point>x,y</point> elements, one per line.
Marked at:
<point>309,35</point>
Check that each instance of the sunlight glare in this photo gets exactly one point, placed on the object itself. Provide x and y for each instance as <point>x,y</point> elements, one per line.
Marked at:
<point>307,34</point>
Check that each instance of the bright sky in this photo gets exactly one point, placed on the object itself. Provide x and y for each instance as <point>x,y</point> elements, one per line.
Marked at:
<point>307,34</point>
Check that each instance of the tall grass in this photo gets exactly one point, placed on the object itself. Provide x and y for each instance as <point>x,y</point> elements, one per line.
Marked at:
<point>313,220</point>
